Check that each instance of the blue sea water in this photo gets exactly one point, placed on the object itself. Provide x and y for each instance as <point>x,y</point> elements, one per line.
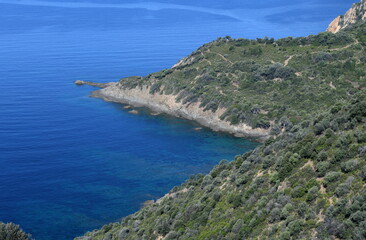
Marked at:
<point>70,163</point>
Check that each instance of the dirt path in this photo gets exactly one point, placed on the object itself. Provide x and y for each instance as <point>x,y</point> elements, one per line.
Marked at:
<point>222,56</point>
<point>225,59</point>
<point>209,62</point>
<point>287,61</point>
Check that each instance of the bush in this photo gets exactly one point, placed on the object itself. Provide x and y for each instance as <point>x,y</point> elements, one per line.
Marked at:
<point>234,199</point>
<point>322,168</point>
<point>358,111</point>
<point>237,226</point>
<point>349,166</point>
<point>295,226</point>
<point>332,177</point>
<point>339,155</point>
<point>11,231</point>
<point>322,156</point>
<point>358,216</point>
<point>312,193</point>
<point>298,192</point>
<point>342,189</point>
<point>322,57</point>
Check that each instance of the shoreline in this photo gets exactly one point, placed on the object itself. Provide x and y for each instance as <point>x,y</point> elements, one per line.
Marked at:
<point>159,103</point>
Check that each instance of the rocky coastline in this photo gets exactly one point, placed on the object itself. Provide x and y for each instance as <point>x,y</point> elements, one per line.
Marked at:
<point>159,103</point>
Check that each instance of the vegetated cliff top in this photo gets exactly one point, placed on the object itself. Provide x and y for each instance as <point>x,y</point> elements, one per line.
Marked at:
<point>355,14</point>
<point>307,182</point>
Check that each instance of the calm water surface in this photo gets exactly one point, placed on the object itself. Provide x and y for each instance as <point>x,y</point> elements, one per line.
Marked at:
<point>70,163</point>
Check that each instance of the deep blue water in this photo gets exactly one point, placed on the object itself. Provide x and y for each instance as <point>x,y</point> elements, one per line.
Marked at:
<point>70,163</point>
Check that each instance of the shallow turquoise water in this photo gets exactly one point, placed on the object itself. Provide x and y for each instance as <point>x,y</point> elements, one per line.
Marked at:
<point>70,163</point>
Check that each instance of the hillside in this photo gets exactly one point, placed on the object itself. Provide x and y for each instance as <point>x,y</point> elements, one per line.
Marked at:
<point>253,87</point>
<point>307,180</point>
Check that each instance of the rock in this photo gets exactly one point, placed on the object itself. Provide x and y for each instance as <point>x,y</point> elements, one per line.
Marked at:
<point>134,112</point>
<point>353,15</point>
<point>79,82</point>
<point>123,234</point>
<point>100,85</point>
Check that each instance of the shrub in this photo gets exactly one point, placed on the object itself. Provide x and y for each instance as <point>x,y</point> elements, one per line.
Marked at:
<point>358,216</point>
<point>358,111</point>
<point>342,189</point>
<point>332,177</point>
<point>295,226</point>
<point>11,231</point>
<point>312,193</point>
<point>349,166</point>
<point>298,192</point>
<point>339,155</point>
<point>322,57</point>
<point>234,199</point>
<point>237,226</point>
<point>322,168</point>
<point>322,156</point>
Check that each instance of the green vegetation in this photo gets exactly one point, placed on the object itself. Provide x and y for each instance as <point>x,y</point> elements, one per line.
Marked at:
<point>308,180</point>
<point>11,231</point>
<point>260,81</point>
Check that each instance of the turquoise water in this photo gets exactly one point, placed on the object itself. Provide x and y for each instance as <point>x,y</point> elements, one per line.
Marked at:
<point>70,163</point>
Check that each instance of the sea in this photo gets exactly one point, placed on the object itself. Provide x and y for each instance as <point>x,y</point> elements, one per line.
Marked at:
<point>70,163</point>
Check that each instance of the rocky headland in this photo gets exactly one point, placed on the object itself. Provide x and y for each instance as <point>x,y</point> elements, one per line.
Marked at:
<point>353,15</point>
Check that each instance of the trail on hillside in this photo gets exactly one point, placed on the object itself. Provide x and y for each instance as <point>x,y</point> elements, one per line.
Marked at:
<point>287,61</point>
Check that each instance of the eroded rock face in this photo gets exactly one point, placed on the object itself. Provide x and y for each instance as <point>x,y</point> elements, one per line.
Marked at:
<point>353,15</point>
<point>141,97</point>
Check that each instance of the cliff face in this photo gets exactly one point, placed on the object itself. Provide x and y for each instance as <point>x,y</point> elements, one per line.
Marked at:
<point>353,15</point>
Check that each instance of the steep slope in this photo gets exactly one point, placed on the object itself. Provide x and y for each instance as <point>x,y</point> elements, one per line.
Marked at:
<point>305,182</point>
<point>355,14</point>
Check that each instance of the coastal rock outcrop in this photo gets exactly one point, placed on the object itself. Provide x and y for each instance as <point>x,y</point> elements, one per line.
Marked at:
<point>353,15</point>
<point>93,84</point>
<point>141,97</point>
